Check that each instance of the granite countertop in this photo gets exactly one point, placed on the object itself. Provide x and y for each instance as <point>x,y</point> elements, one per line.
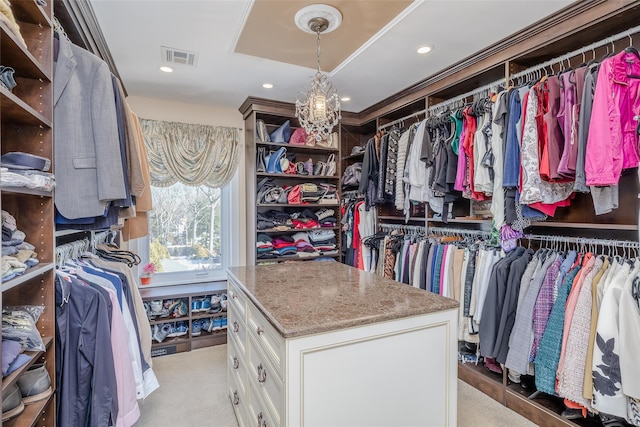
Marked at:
<point>304,298</point>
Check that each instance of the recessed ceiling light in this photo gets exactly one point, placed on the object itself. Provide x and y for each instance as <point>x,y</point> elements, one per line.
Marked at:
<point>345,99</point>
<point>424,49</point>
<point>267,86</point>
<point>166,69</point>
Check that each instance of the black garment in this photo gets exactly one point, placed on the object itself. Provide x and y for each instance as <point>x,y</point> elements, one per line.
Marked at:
<point>508,310</point>
<point>85,375</point>
<point>467,278</point>
<point>392,158</point>
<point>423,265</point>
<point>494,300</point>
<point>382,167</point>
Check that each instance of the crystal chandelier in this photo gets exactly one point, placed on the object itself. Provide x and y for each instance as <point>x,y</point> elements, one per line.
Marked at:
<point>319,109</point>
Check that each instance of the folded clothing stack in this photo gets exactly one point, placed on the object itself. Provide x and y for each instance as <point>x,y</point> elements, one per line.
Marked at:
<point>17,255</point>
<point>26,170</point>
<point>300,244</point>
<point>305,219</point>
<point>323,240</point>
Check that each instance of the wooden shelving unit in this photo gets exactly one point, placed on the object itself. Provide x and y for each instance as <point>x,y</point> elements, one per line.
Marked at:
<point>26,120</point>
<point>274,114</point>
<point>188,293</point>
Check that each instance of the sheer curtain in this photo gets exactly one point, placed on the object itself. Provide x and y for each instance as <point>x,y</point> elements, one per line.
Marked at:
<point>191,154</point>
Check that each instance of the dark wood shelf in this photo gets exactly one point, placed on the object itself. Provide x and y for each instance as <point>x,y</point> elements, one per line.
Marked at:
<point>161,320</point>
<point>544,409</point>
<point>296,176</point>
<point>298,148</point>
<point>27,191</point>
<point>462,220</point>
<point>209,339</point>
<point>295,230</point>
<point>171,341</point>
<point>487,382</point>
<point>400,218</point>
<point>32,12</point>
<point>309,205</point>
<point>25,64</point>
<point>298,258</point>
<point>18,112</point>
<point>29,417</point>
<point>29,274</point>
<point>11,379</point>
<point>600,225</point>
<point>353,156</point>
<point>204,315</point>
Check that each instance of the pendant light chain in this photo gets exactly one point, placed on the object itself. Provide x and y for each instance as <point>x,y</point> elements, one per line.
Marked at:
<point>318,52</point>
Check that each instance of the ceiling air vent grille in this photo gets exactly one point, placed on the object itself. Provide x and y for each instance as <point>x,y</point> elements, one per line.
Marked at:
<point>178,56</point>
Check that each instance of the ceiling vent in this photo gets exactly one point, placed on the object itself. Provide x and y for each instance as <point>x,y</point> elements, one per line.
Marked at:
<point>178,56</point>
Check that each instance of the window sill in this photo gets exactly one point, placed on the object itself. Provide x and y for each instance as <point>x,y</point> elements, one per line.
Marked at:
<point>182,277</point>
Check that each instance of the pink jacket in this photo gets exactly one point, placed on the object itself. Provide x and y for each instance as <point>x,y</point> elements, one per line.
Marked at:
<point>612,140</point>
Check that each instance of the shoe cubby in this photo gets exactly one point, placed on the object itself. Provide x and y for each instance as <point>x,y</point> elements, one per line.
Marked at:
<point>186,317</point>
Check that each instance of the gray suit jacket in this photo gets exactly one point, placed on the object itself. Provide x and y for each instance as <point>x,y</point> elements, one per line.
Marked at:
<point>88,164</point>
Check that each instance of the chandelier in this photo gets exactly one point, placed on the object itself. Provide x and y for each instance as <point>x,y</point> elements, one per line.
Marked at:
<point>319,110</point>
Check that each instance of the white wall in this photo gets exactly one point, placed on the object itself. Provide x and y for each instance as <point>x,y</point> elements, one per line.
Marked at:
<point>159,109</point>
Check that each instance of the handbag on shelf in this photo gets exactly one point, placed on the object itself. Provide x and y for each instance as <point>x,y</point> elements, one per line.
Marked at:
<point>273,166</point>
<point>261,164</point>
<point>331,165</point>
<point>299,137</point>
<point>352,175</point>
<point>261,131</point>
<point>282,134</point>
<point>331,142</point>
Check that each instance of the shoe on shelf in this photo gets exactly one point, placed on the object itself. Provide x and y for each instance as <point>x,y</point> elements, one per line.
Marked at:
<point>162,332</point>
<point>205,325</point>
<point>215,304</point>
<point>217,324</point>
<point>156,307</point>
<point>180,309</point>
<point>224,322</point>
<point>224,302</point>
<point>181,329</point>
<point>35,384</point>
<point>196,305</point>
<point>12,404</point>
<point>206,304</point>
<point>196,328</point>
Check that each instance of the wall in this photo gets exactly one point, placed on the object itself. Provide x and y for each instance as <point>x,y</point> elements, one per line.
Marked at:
<point>159,109</point>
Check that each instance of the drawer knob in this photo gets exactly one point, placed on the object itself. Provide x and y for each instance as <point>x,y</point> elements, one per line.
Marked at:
<point>236,327</point>
<point>262,373</point>
<point>236,362</point>
<point>236,399</point>
<point>261,421</point>
<point>234,296</point>
<point>259,330</point>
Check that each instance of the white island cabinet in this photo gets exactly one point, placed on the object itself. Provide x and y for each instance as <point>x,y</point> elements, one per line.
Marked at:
<point>325,345</point>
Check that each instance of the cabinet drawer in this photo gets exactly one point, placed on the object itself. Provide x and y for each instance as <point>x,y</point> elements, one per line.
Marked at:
<point>239,402</point>
<point>258,414</point>
<point>267,338</point>
<point>237,330</point>
<point>264,381</point>
<point>237,366</point>
<point>238,300</point>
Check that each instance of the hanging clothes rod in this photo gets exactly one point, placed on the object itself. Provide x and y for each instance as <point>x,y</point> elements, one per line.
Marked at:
<point>584,241</point>
<point>592,47</point>
<point>418,228</point>
<point>401,119</point>
<point>445,230</point>
<point>462,97</point>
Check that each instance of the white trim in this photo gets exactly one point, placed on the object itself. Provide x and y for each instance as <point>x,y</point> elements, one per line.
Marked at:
<point>413,6</point>
<point>240,28</point>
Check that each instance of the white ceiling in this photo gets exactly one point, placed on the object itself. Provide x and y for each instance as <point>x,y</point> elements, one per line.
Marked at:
<point>386,64</point>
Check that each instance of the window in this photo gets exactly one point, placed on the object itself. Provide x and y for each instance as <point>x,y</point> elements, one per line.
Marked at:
<point>185,232</point>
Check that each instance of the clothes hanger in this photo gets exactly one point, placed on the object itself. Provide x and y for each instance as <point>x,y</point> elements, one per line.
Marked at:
<point>631,49</point>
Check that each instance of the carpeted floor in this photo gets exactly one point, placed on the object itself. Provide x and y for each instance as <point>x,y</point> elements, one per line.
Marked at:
<point>193,393</point>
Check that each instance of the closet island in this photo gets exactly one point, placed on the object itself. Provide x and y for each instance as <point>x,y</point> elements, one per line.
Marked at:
<point>322,343</point>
